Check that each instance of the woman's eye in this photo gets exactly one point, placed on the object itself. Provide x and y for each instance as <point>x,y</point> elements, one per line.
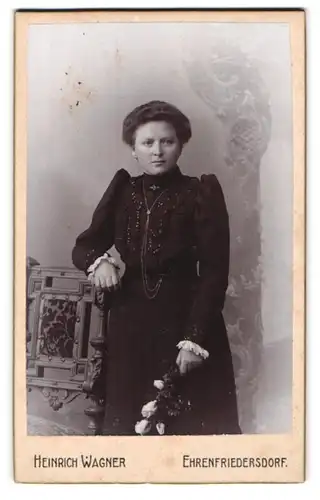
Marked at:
<point>148,143</point>
<point>168,141</point>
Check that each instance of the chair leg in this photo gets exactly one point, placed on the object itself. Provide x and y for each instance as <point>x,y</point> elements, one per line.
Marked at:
<point>93,386</point>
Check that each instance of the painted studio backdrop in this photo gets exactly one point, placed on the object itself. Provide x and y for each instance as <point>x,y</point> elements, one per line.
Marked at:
<point>233,82</point>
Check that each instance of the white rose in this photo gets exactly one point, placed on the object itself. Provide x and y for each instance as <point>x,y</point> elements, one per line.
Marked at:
<point>149,409</point>
<point>142,427</point>
<point>160,428</point>
<point>159,384</point>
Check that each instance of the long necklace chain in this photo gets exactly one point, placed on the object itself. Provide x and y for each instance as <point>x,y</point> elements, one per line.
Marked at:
<point>150,292</point>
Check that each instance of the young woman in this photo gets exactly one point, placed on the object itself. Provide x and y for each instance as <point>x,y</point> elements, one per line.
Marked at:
<point>172,234</point>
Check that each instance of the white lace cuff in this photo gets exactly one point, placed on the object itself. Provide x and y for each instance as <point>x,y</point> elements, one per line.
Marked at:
<point>193,347</point>
<point>105,257</point>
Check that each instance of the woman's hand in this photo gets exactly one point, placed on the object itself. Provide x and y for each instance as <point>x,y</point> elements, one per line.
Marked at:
<point>106,277</point>
<point>187,360</point>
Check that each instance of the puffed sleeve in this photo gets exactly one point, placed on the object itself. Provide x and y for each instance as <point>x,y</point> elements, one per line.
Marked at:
<point>211,222</point>
<point>99,237</point>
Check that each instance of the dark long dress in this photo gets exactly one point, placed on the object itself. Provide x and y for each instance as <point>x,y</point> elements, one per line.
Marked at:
<point>187,246</point>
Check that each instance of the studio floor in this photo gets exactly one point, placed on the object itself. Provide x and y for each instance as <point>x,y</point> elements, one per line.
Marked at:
<point>44,421</point>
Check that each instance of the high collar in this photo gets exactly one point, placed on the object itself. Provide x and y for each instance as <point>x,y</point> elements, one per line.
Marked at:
<point>157,182</point>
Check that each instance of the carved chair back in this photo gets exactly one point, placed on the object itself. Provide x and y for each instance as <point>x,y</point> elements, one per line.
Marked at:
<point>65,339</point>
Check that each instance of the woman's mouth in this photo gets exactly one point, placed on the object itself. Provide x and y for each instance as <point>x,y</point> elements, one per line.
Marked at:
<point>158,162</point>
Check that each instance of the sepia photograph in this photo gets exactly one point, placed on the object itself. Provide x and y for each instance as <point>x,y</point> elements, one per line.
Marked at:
<point>159,197</point>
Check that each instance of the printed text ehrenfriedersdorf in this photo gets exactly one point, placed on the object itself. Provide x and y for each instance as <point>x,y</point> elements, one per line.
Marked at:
<point>234,462</point>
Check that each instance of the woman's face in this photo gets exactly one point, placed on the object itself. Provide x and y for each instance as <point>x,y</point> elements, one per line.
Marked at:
<point>156,147</point>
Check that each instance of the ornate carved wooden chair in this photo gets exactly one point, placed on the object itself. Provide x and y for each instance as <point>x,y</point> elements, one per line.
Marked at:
<point>65,340</point>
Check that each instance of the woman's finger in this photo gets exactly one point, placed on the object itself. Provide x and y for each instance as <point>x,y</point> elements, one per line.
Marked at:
<point>115,281</point>
<point>109,283</point>
<point>178,360</point>
<point>103,282</point>
<point>183,367</point>
<point>97,282</point>
<point>182,364</point>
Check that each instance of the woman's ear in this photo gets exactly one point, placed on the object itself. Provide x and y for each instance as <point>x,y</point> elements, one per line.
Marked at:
<point>134,154</point>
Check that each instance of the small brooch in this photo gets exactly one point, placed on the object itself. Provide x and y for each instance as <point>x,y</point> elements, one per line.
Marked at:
<point>154,187</point>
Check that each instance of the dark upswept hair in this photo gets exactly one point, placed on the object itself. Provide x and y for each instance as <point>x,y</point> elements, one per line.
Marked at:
<point>156,111</point>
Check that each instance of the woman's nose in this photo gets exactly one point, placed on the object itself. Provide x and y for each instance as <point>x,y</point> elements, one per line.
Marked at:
<point>157,149</point>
